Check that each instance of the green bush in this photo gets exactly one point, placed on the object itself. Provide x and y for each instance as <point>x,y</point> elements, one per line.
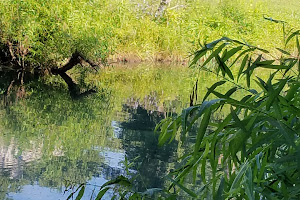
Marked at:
<point>253,153</point>
<point>46,32</point>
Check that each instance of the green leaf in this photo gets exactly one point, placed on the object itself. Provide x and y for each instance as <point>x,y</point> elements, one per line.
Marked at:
<point>262,84</point>
<point>224,67</point>
<point>248,184</point>
<point>214,54</point>
<point>265,62</point>
<point>283,51</point>
<point>241,54</point>
<point>101,193</point>
<point>253,91</point>
<point>292,63</point>
<point>172,197</point>
<point>238,177</point>
<point>298,160</point>
<point>263,167</point>
<point>284,130</point>
<point>168,130</point>
<point>72,194</point>
<point>188,191</point>
<point>274,66</point>
<point>120,180</point>
<point>292,91</point>
<point>231,91</point>
<point>214,43</point>
<point>201,130</point>
<point>165,132</point>
<point>249,70</point>
<point>298,45</point>
<point>200,110</point>
<point>274,94</point>
<point>160,124</point>
<point>291,36</point>
<point>245,59</point>
<point>220,195</point>
<point>251,67</point>
<point>185,114</point>
<point>197,55</point>
<point>257,159</point>
<point>80,194</point>
<point>175,128</point>
<point>224,54</point>
<point>231,52</point>
<point>203,170</point>
<point>135,196</point>
<point>238,122</point>
<point>246,98</point>
<point>224,123</point>
<point>213,87</point>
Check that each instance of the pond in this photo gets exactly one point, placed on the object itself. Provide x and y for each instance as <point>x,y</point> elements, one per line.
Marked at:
<point>49,141</point>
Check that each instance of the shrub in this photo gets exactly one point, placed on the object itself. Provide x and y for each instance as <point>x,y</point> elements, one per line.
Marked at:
<point>253,153</point>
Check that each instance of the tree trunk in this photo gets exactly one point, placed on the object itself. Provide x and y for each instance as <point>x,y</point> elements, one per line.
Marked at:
<point>162,7</point>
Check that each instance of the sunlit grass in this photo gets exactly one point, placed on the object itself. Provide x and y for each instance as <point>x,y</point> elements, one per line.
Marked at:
<point>52,30</point>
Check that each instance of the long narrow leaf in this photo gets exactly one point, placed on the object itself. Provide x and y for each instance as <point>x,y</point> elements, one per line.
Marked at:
<point>291,36</point>
<point>274,94</point>
<point>224,67</point>
<point>202,129</point>
<point>198,55</point>
<point>102,193</point>
<point>188,191</point>
<point>213,87</point>
<point>214,54</point>
<point>80,194</point>
<point>238,177</point>
<point>231,53</point>
<point>243,64</point>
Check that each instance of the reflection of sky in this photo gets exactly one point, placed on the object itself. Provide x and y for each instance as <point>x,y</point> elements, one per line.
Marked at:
<point>117,129</point>
<point>113,159</point>
<point>36,192</point>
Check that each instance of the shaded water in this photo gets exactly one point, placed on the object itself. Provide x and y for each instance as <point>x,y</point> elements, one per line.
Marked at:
<point>49,141</point>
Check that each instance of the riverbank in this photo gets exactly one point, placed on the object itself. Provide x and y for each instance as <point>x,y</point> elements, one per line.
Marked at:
<point>132,59</point>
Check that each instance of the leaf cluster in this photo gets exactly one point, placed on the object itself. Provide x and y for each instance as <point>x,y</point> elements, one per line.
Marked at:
<point>253,153</point>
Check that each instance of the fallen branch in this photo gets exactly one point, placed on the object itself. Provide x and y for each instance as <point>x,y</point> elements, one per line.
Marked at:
<point>73,87</point>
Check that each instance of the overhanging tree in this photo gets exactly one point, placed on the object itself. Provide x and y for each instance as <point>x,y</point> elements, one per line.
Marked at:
<point>39,38</point>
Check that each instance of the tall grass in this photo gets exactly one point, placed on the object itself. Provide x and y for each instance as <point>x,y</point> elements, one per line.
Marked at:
<point>54,29</point>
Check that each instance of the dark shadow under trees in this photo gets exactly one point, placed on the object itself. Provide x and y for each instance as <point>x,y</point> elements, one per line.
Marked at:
<point>16,70</point>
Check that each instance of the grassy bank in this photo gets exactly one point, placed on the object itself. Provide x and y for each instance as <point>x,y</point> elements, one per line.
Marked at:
<point>183,28</point>
<point>127,30</point>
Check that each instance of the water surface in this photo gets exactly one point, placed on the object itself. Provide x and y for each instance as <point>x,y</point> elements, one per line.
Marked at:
<point>49,141</point>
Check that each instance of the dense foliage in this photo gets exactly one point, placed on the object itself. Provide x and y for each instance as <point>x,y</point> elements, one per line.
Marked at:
<point>253,153</point>
<point>52,30</point>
